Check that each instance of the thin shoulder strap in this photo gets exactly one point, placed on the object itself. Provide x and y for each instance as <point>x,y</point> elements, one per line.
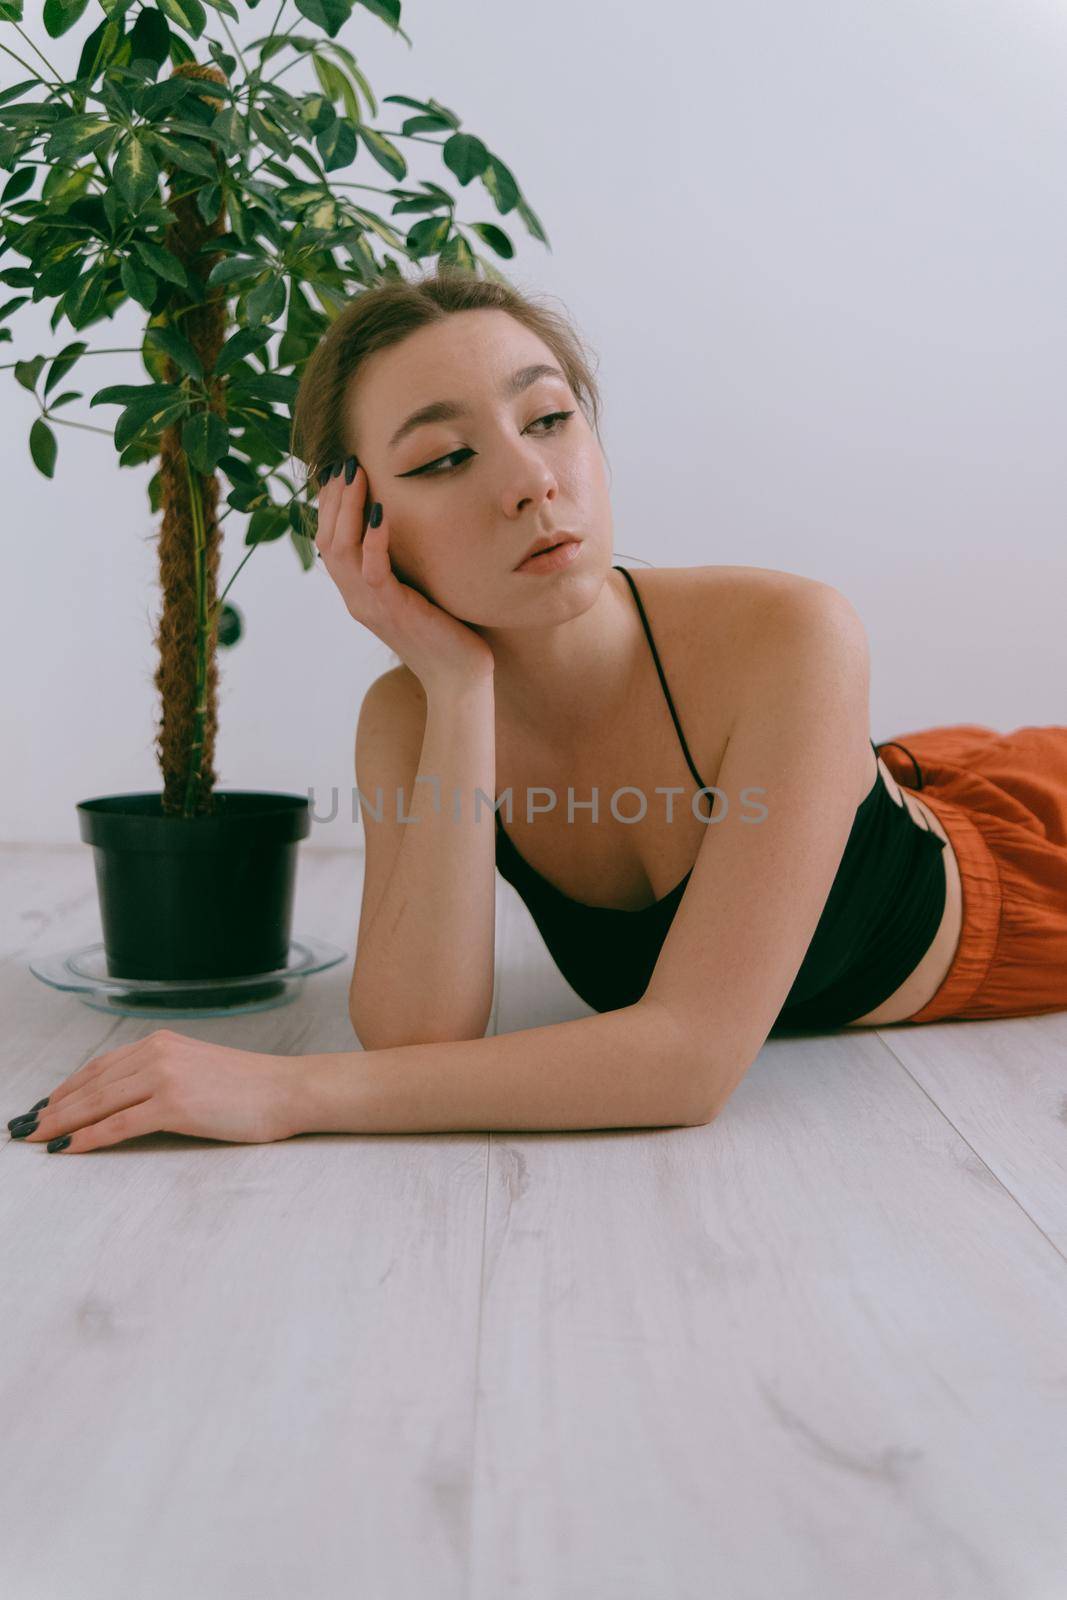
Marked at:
<point>662,678</point>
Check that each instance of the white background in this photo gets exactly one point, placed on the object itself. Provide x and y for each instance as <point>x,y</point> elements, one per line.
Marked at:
<point>821,254</point>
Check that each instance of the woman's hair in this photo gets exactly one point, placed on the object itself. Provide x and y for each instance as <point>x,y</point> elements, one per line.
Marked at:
<point>387,313</point>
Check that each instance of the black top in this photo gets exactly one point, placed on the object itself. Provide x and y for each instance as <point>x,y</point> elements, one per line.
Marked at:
<point>880,917</point>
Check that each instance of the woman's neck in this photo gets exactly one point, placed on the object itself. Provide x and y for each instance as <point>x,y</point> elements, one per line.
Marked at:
<point>561,682</point>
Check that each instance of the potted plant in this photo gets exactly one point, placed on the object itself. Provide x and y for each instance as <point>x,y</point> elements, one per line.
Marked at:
<point>175,170</point>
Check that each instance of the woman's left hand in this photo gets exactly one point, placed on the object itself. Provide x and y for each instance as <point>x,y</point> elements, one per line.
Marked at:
<point>168,1083</point>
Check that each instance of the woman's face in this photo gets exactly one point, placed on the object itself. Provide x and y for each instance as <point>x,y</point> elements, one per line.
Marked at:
<point>466,496</point>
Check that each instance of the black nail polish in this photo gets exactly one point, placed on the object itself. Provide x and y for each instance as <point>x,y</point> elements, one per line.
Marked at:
<point>23,1127</point>
<point>338,468</point>
<point>350,469</point>
<point>323,475</point>
<point>59,1144</point>
<point>376,514</point>
<point>26,1115</point>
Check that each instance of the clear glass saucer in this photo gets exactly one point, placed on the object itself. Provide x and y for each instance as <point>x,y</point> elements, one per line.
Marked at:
<point>83,971</point>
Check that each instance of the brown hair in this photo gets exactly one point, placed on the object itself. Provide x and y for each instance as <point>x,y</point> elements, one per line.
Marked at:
<point>387,313</point>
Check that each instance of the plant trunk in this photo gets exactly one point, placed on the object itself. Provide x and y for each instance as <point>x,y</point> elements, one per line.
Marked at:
<point>190,539</point>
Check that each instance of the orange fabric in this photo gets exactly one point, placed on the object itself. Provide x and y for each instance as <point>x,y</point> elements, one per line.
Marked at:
<point>1002,800</point>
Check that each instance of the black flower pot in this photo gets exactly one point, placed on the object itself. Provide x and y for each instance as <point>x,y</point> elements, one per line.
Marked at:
<point>201,897</point>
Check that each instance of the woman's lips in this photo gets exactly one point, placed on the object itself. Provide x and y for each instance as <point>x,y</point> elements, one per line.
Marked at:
<point>552,560</point>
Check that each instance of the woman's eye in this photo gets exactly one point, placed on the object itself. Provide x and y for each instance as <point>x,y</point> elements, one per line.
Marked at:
<point>437,469</point>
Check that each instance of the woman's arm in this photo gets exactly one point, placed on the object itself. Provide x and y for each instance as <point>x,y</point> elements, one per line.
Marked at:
<point>630,1068</point>
<point>425,945</point>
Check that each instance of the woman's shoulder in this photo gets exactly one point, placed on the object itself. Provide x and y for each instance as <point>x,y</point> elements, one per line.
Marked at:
<point>730,605</point>
<point>696,585</point>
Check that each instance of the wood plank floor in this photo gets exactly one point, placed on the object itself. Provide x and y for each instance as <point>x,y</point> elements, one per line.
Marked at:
<point>816,1350</point>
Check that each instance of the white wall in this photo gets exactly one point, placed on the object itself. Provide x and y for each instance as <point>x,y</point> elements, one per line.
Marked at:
<point>821,251</point>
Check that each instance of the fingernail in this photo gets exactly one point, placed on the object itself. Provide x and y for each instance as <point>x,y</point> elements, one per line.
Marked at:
<point>59,1144</point>
<point>323,475</point>
<point>350,469</point>
<point>339,467</point>
<point>376,514</point>
<point>26,1115</point>
<point>22,1126</point>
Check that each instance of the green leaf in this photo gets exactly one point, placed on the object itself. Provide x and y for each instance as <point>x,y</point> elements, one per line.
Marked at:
<point>209,201</point>
<point>163,264</point>
<point>266,386</point>
<point>229,128</point>
<point>18,183</point>
<point>135,171</point>
<point>187,14</point>
<point>136,418</point>
<point>43,448</point>
<point>99,48</point>
<point>83,301</point>
<point>238,471</point>
<point>266,301</point>
<point>271,135</point>
<point>59,15</point>
<point>424,125</point>
<point>303,519</point>
<point>139,283</point>
<point>328,14</point>
<point>185,153</point>
<point>62,364</point>
<point>465,155</point>
<point>385,152</point>
<point>239,345</point>
<point>74,135</point>
<point>230,626</point>
<point>18,278</point>
<point>150,37</point>
<point>500,182</point>
<point>64,399</point>
<point>427,236</point>
<point>337,145</point>
<point>19,88</point>
<point>163,97</point>
<point>12,305</point>
<point>57,278</point>
<point>231,268</point>
<point>137,394</point>
<point>495,237</point>
<point>27,372</point>
<point>62,184</point>
<point>329,75</point>
<point>267,524</point>
<point>205,440</point>
<point>179,349</point>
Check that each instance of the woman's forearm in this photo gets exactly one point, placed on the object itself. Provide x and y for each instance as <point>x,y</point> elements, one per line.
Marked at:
<point>424,965</point>
<point>630,1068</point>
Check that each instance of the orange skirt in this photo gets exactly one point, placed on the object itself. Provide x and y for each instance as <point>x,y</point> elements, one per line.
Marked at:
<point>1002,800</point>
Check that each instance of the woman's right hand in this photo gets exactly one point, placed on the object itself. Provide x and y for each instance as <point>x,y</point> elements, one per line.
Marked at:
<point>436,646</point>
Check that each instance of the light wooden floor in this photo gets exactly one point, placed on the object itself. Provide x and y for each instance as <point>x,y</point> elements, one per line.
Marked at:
<point>815,1349</point>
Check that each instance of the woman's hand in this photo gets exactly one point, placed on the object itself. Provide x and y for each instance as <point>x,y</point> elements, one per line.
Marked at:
<point>168,1083</point>
<point>430,641</point>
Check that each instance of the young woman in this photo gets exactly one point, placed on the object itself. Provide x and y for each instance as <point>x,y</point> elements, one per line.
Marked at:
<point>816,890</point>
<point>766,868</point>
